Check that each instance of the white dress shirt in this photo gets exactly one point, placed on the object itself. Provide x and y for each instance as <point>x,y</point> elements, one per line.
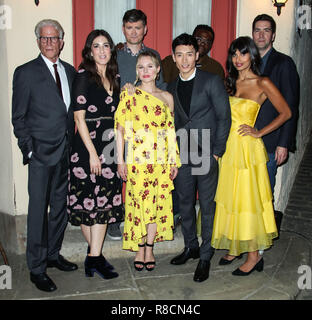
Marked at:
<point>63,77</point>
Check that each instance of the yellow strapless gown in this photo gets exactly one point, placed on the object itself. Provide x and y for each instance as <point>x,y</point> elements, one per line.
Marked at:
<point>244,218</point>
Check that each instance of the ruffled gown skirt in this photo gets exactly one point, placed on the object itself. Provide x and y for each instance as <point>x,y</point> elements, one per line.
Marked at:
<point>244,217</point>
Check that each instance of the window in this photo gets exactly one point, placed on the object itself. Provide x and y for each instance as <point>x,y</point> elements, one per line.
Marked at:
<point>108,15</point>
<point>187,14</point>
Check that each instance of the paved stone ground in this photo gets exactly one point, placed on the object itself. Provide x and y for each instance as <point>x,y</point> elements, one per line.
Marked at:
<point>298,214</point>
<point>278,281</point>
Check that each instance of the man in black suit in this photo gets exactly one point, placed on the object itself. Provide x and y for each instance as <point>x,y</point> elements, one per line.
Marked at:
<point>202,119</point>
<point>43,124</point>
<point>282,71</point>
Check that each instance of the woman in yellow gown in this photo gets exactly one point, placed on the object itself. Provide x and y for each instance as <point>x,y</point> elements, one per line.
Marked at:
<point>145,121</point>
<point>244,217</point>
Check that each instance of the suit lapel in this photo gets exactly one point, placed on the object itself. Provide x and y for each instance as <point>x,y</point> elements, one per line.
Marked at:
<point>46,72</point>
<point>178,107</point>
<point>195,92</point>
<point>270,63</point>
<point>50,80</point>
<point>69,75</point>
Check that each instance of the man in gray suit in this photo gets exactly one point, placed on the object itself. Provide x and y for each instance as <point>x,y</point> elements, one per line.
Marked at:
<point>202,121</point>
<point>43,124</point>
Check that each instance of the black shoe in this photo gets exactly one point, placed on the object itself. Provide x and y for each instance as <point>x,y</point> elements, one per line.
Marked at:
<point>258,267</point>
<point>62,264</point>
<point>224,262</point>
<point>113,231</point>
<point>95,264</point>
<point>185,255</point>
<point>202,271</point>
<point>43,282</point>
<point>104,261</point>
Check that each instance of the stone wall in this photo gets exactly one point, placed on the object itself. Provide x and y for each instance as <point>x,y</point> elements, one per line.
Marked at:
<point>301,53</point>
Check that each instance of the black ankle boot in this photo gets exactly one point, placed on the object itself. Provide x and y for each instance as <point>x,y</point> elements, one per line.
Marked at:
<point>95,264</point>
<point>104,261</point>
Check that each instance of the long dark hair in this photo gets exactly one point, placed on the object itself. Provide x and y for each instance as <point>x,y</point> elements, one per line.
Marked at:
<point>89,65</point>
<point>243,45</point>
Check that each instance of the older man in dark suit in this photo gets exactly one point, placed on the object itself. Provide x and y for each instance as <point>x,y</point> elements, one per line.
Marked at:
<point>282,71</point>
<point>43,123</point>
<point>202,120</point>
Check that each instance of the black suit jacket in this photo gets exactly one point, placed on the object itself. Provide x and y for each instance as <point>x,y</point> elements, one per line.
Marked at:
<point>39,115</point>
<point>209,109</point>
<point>282,71</point>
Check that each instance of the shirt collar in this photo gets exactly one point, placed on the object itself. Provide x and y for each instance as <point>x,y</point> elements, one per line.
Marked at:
<point>192,76</point>
<point>50,63</point>
<point>128,50</point>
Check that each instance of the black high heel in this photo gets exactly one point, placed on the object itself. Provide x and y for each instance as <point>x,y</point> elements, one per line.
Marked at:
<point>139,262</point>
<point>259,267</point>
<point>153,263</point>
<point>95,264</point>
<point>224,262</point>
<point>104,261</point>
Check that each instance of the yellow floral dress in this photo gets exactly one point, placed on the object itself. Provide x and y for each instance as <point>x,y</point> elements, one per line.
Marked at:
<point>151,150</point>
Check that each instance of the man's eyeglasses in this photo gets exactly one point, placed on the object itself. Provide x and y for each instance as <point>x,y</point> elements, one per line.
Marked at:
<point>203,40</point>
<point>46,39</point>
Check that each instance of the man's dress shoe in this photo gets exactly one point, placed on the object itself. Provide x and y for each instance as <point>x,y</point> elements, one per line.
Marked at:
<point>62,264</point>
<point>185,255</point>
<point>43,282</point>
<point>202,271</point>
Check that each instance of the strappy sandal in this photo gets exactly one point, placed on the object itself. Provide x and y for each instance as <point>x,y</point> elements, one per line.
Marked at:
<point>153,263</point>
<point>139,262</point>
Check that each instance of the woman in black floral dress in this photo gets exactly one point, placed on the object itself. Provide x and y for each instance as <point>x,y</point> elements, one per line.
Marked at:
<point>95,189</point>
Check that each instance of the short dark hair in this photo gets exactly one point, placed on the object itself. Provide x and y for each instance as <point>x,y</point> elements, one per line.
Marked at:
<point>206,28</point>
<point>264,17</point>
<point>134,15</point>
<point>184,39</point>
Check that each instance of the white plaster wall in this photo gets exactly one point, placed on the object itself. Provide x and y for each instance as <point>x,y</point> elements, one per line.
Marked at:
<point>20,46</point>
<point>247,10</point>
<point>6,175</point>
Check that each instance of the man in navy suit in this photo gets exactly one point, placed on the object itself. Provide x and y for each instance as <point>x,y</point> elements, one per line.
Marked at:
<point>282,71</point>
<point>43,123</point>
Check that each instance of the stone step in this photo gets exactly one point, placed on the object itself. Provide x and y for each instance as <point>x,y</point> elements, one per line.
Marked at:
<point>74,246</point>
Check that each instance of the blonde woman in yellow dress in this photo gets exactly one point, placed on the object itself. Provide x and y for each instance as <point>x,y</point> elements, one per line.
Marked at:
<point>145,122</point>
<point>244,217</point>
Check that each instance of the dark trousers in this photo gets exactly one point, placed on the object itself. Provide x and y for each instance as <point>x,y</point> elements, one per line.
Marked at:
<point>272,170</point>
<point>47,189</point>
<point>186,187</point>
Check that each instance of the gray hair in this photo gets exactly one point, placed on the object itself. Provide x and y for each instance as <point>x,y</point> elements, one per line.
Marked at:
<point>49,22</point>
